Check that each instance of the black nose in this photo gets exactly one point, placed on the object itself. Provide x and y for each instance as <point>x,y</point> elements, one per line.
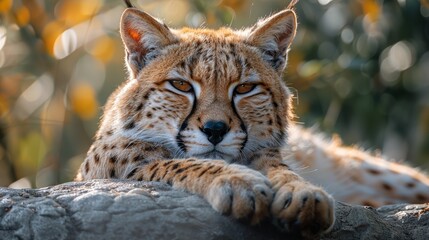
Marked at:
<point>215,130</point>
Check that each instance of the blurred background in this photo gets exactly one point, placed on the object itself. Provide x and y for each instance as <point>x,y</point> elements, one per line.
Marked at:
<point>359,69</point>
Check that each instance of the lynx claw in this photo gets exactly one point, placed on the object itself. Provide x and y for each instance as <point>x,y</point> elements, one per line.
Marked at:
<point>244,195</point>
<point>303,209</point>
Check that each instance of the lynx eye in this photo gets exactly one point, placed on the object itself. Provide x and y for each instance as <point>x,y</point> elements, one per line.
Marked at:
<point>244,88</point>
<point>181,85</point>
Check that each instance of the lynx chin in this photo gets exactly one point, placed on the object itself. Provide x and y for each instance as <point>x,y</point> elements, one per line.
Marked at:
<point>208,112</point>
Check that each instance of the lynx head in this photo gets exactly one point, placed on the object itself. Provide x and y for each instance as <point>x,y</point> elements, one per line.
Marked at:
<point>205,93</point>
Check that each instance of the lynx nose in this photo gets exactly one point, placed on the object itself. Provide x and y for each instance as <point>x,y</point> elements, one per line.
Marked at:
<point>215,131</point>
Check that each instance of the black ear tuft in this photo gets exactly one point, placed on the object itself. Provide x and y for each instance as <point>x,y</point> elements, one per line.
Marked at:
<point>128,4</point>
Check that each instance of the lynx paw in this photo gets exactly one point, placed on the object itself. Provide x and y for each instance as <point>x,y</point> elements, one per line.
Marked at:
<point>245,194</point>
<point>303,209</point>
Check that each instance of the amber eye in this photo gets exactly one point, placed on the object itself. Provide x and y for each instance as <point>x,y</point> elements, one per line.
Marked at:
<point>181,85</point>
<point>244,88</point>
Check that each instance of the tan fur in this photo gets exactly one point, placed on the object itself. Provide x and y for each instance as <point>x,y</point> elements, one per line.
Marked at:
<point>153,131</point>
<point>352,175</point>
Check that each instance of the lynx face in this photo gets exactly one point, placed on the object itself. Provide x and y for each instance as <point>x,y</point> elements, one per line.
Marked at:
<point>203,93</point>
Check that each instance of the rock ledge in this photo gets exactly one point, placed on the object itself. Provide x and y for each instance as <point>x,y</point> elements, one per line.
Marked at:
<point>115,209</point>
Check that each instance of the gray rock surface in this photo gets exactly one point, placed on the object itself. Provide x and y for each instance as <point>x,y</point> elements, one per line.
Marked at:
<point>110,209</point>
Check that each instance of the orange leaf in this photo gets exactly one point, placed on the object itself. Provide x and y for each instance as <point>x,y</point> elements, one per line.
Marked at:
<point>5,5</point>
<point>371,9</point>
<point>22,16</point>
<point>83,101</point>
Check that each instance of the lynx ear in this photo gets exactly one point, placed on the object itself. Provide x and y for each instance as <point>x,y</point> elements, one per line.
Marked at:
<point>143,37</point>
<point>273,37</point>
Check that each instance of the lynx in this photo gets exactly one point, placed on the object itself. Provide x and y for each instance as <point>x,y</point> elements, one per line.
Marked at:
<point>207,111</point>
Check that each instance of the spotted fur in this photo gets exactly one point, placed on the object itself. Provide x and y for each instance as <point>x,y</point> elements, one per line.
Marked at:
<point>155,130</point>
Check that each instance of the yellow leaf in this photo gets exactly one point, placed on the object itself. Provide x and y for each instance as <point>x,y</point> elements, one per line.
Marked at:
<point>5,5</point>
<point>32,150</point>
<point>22,16</point>
<point>103,49</point>
<point>371,9</point>
<point>73,12</point>
<point>50,33</point>
<point>234,4</point>
<point>4,105</point>
<point>310,70</point>
<point>83,101</point>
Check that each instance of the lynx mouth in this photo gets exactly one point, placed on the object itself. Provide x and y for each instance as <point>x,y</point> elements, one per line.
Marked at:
<point>215,154</point>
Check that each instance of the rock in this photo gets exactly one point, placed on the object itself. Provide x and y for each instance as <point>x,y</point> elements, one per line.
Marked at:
<point>114,209</point>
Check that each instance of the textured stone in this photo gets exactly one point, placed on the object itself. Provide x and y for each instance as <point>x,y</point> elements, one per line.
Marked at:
<point>113,209</point>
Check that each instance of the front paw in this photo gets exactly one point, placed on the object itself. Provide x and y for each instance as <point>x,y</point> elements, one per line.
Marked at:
<point>303,209</point>
<point>243,193</point>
